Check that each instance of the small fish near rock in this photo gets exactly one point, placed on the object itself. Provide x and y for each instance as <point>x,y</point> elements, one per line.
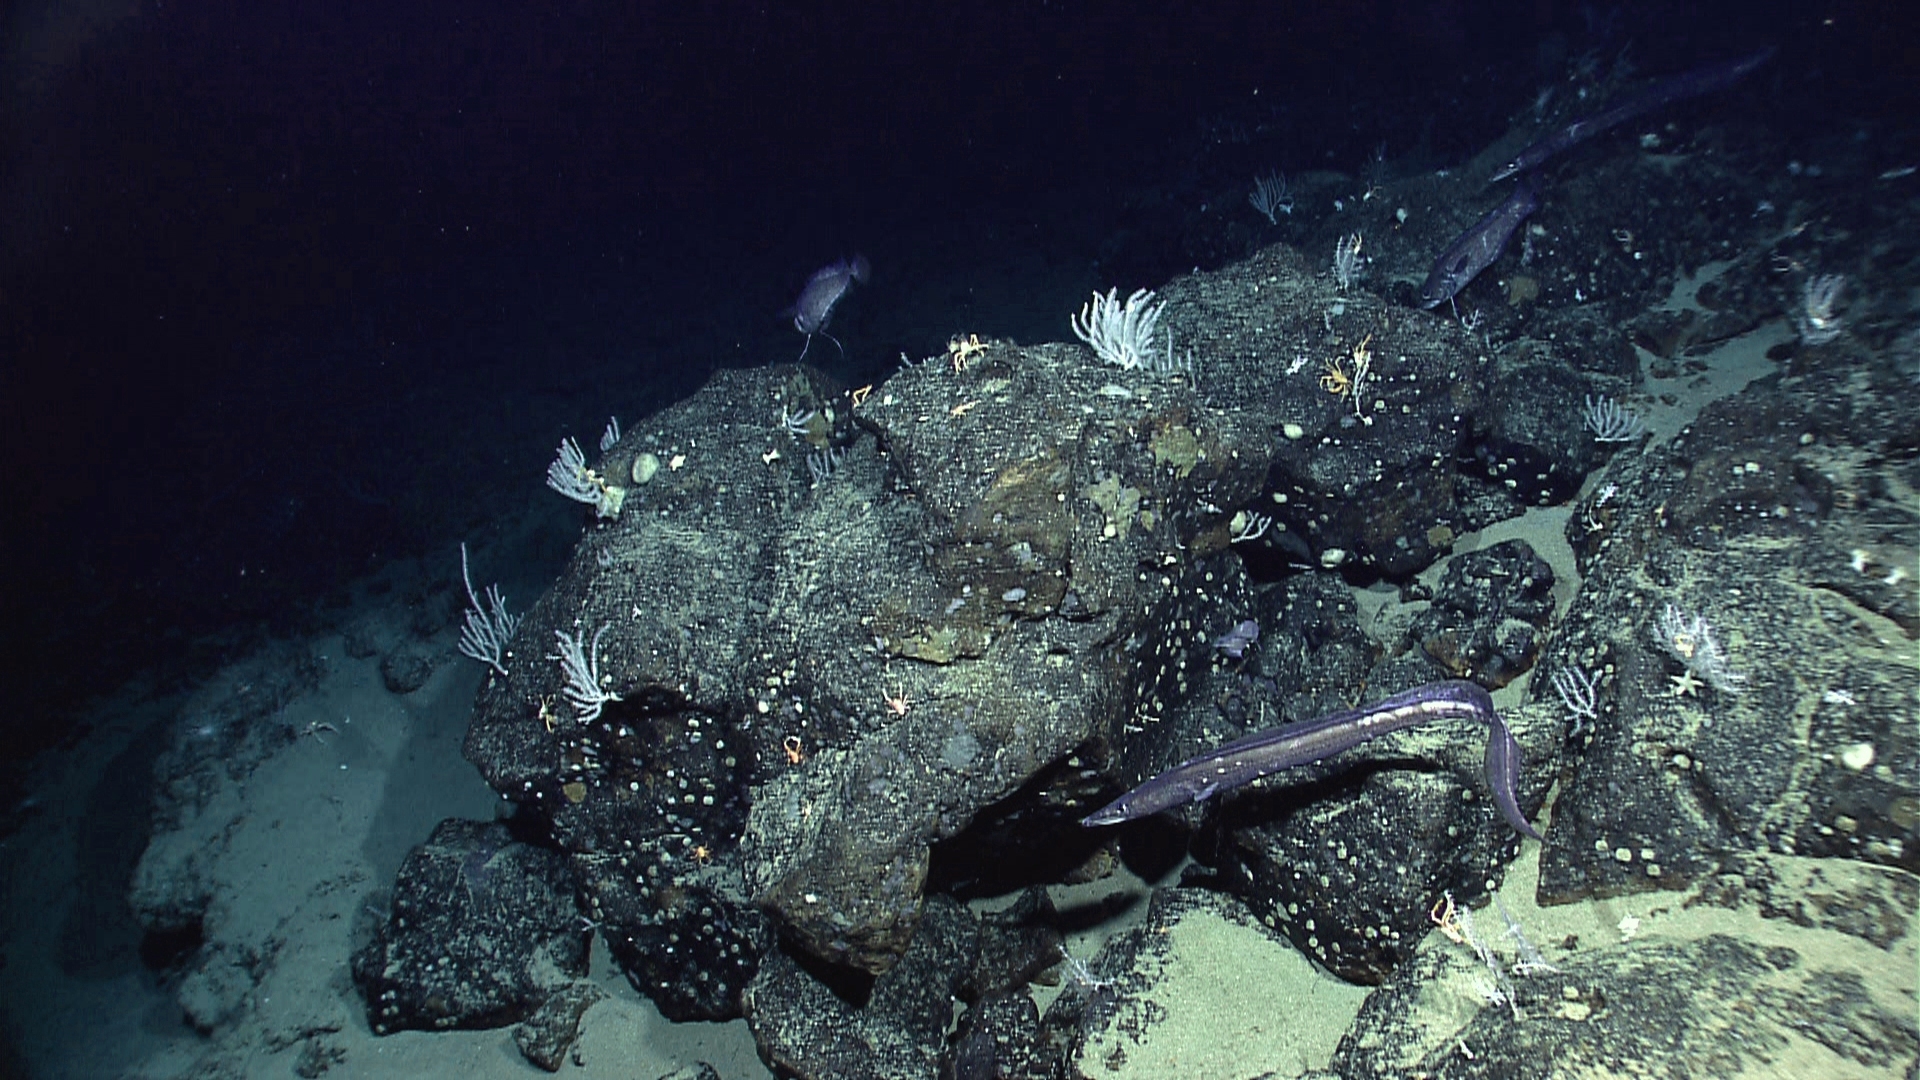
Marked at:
<point>823,290</point>
<point>1235,641</point>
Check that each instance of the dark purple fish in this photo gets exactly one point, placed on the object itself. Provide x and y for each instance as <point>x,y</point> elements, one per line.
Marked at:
<point>1694,83</point>
<point>1482,243</point>
<point>823,290</point>
<point>1235,641</point>
<point>1267,752</point>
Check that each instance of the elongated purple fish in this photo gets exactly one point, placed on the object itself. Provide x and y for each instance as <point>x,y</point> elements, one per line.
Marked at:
<point>1694,83</point>
<point>1267,752</point>
<point>823,290</point>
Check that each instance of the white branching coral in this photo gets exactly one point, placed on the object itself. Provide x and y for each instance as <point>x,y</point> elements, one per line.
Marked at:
<point>1611,422</point>
<point>1271,197</point>
<point>580,663</point>
<point>1689,639</point>
<point>488,628</point>
<point>1815,320</point>
<point>1348,266</point>
<point>1121,334</point>
<point>569,475</point>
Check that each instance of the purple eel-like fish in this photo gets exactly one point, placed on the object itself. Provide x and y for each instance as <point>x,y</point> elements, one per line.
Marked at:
<point>1267,752</point>
<point>1482,243</point>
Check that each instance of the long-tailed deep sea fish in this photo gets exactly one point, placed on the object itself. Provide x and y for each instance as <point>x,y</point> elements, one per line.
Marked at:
<point>1480,245</point>
<point>1699,81</point>
<point>1265,753</point>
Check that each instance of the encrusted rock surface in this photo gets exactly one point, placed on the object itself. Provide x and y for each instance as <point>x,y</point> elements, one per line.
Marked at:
<point>849,651</point>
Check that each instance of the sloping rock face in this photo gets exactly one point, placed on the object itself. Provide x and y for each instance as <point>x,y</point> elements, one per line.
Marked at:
<point>834,629</point>
<point>1776,533</point>
<point>850,649</point>
<point>482,934</point>
<point>1718,1003</point>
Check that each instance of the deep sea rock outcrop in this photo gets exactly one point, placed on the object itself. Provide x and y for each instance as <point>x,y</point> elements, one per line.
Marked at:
<point>821,670</point>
